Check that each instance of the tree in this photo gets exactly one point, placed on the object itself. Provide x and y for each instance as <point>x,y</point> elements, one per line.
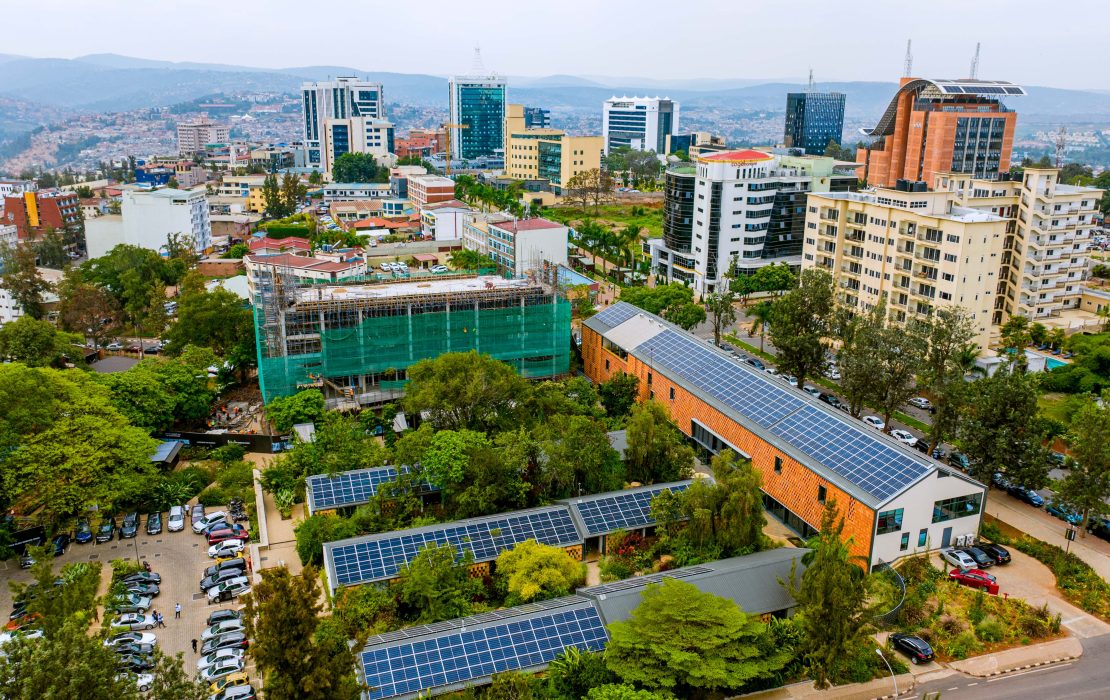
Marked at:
<point>577,457</point>
<point>465,390</point>
<point>341,443</point>
<point>171,680</point>
<point>355,167</point>
<point>236,252</point>
<point>621,691</point>
<point>141,396</point>
<point>1016,334</point>
<point>35,343</point>
<point>272,200</point>
<point>533,571</point>
<point>217,319</point>
<point>657,451</point>
<point>292,192</point>
<point>1087,484</point>
<point>20,277</point>
<point>727,515</point>
<point>448,456</point>
<point>281,616</point>
<point>949,346</point>
<point>435,587</point>
<point>618,394</point>
<point>183,247</point>
<point>683,641</point>
<point>769,278</point>
<point>761,320</point>
<point>87,309</point>
<point>858,359</point>
<point>51,249</point>
<point>722,312</point>
<point>573,673</point>
<point>70,664</point>
<point>465,259</point>
<point>900,351</point>
<point>1002,430</point>
<point>306,406</point>
<point>590,188</point>
<point>312,532</point>
<point>315,178</point>
<point>799,323</point>
<point>658,300</point>
<point>832,601</point>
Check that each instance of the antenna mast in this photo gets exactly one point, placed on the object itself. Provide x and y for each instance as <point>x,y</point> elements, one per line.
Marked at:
<point>478,67</point>
<point>809,87</point>
<point>1061,146</point>
<point>907,70</point>
<point>975,64</point>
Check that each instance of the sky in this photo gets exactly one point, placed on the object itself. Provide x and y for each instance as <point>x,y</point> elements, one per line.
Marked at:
<point>840,40</point>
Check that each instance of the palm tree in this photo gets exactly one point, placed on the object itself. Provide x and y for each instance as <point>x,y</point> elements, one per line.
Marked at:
<point>761,313</point>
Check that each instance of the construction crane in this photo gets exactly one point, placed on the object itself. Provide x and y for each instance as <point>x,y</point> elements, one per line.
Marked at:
<point>447,128</point>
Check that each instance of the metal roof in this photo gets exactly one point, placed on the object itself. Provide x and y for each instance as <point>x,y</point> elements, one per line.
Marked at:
<point>606,513</point>
<point>937,88</point>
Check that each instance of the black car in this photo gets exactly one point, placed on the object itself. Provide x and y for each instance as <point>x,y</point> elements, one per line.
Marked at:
<point>154,524</point>
<point>238,564</point>
<point>916,648</point>
<point>218,578</point>
<point>19,609</point>
<point>1099,527</point>
<point>222,616</point>
<point>134,648</point>
<point>231,640</point>
<point>130,526</point>
<point>999,554</point>
<point>135,662</point>
<point>61,543</point>
<point>106,531</point>
<point>982,559</point>
<point>142,577</point>
<point>755,363</point>
<point>831,400</point>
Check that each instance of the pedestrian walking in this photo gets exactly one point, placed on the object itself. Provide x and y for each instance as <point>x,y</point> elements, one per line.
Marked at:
<point>177,611</point>
<point>194,646</point>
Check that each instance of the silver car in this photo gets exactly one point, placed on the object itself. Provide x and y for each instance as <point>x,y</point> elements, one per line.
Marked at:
<point>176,521</point>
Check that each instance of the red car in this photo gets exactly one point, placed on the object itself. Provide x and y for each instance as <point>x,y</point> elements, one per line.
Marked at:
<point>975,578</point>
<point>235,532</point>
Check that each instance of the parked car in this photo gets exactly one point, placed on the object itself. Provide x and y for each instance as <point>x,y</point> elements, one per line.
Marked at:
<point>222,615</point>
<point>214,657</point>
<point>830,400</point>
<point>1057,509</point>
<point>238,692</point>
<point>223,667</point>
<point>139,648</point>
<point>227,548</point>
<point>912,646</point>
<point>154,524</point>
<point>26,561</point>
<point>982,559</point>
<point>196,514</point>
<point>235,531</point>
<point>789,379</point>
<point>106,531</point>
<point>83,533</point>
<point>755,362</point>
<point>130,526</point>
<point>959,460</point>
<point>238,563</point>
<point>958,558</point>
<point>437,269</point>
<point>230,681</point>
<point>220,577</point>
<point>143,681</point>
<point>1028,495</point>
<point>1099,527</point>
<point>135,662</point>
<point>205,521</point>
<point>222,627</point>
<point>130,638</point>
<point>999,554</point>
<point>811,390</point>
<point>176,521</point>
<point>875,422</point>
<point>231,640</point>
<point>229,589</point>
<point>771,371</point>
<point>61,543</point>
<point>905,437</point>
<point>135,621</point>
<point>114,346</point>
<point>130,603</point>
<point>921,402</point>
<point>142,577</point>
<point>149,590</point>
<point>975,578</point>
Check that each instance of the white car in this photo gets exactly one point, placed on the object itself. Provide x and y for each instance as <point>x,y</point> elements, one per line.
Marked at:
<point>176,520</point>
<point>832,373</point>
<point>958,559</point>
<point>904,436</point>
<point>771,371</point>
<point>789,379</point>
<point>921,402</point>
<point>221,628</point>
<point>218,655</point>
<point>223,667</point>
<point>144,681</point>
<point>811,390</point>
<point>209,519</point>
<point>229,589</point>
<point>130,638</point>
<point>135,621</point>
<point>437,269</point>
<point>9,636</point>
<point>875,422</point>
<point>227,548</point>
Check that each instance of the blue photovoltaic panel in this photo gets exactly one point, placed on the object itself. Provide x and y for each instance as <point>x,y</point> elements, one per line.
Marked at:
<point>460,657</point>
<point>381,558</point>
<point>620,511</point>
<point>348,488</point>
<point>753,394</point>
<point>617,314</point>
<point>851,451</point>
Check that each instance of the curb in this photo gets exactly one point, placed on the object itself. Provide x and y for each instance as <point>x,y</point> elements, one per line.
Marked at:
<point>1029,666</point>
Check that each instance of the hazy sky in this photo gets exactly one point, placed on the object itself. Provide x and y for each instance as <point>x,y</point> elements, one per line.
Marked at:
<point>840,39</point>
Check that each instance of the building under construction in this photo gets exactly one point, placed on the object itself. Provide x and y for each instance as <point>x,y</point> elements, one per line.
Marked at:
<point>355,341</point>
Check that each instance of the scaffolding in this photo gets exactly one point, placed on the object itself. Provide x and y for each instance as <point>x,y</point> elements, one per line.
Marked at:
<point>356,340</point>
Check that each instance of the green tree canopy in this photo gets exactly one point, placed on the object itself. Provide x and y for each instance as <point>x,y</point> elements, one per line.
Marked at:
<point>86,308</point>
<point>217,319</point>
<point>657,451</point>
<point>768,278</point>
<point>356,167</point>
<point>533,571</point>
<point>726,515</point>
<point>800,323</point>
<point>674,302</point>
<point>36,343</point>
<point>577,457</point>
<point>306,406</point>
<point>573,674</point>
<point>466,390</point>
<point>20,276</point>
<point>1087,484</point>
<point>722,312</point>
<point>435,587</point>
<point>618,394</point>
<point>683,641</point>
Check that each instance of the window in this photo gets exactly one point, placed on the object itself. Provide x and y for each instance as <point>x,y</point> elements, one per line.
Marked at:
<point>905,542</point>
<point>821,494</point>
<point>890,521</point>
<point>672,393</point>
<point>923,537</point>
<point>649,379</point>
<point>961,507</point>
<point>606,363</point>
<point>778,464</point>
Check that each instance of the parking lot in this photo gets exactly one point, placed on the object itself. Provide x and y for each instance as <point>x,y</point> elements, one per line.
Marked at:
<point>179,557</point>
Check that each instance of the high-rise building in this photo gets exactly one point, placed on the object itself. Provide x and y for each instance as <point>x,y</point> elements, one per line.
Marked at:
<point>537,118</point>
<point>549,154</point>
<point>813,119</point>
<point>639,123</point>
<point>192,137</point>
<point>148,218</point>
<point>357,135</point>
<point>478,101</point>
<point>933,126</point>
<point>733,212</point>
<point>341,98</point>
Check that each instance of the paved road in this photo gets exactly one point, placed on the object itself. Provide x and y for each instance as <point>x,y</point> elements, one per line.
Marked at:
<point>1086,678</point>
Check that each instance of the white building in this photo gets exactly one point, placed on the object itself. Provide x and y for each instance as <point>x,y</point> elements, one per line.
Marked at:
<point>341,98</point>
<point>354,191</point>
<point>10,310</point>
<point>193,136</point>
<point>9,236</point>
<point>358,135</point>
<point>147,218</point>
<point>444,221</point>
<point>302,268</point>
<point>640,123</point>
<point>13,187</point>
<point>519,246</point>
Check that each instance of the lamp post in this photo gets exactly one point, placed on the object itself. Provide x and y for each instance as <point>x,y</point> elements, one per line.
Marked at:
<point>889,668</point>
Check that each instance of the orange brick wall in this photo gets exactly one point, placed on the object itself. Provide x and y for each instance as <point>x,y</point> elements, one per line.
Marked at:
<point>795,487</point>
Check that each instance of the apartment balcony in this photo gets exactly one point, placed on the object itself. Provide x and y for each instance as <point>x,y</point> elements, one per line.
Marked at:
<point>826,263</point>
<point>847,267</point>
<point>848,253</point>
<point>851,285</point>
<point>824,231</point>
<point>856,236</point>
<point>932,238</point>
<point>903,250</point>
<point>926,256</point>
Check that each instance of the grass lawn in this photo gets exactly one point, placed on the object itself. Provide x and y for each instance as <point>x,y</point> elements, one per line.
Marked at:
<point>1059,407</point>
<point>620,215</point>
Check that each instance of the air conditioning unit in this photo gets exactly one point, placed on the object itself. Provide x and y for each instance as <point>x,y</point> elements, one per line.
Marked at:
<point>961,540</point>
<point>970,539</point>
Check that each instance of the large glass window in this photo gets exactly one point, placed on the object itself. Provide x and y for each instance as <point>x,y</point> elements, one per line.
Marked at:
<point>961,507</point>
<point>890,521</point>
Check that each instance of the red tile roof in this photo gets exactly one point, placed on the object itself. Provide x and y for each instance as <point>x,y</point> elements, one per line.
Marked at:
<point>448,203</point>
<point>745,156</point>
<point>279,243</point>
<point>527,225</point>
<point>378,222</point>
<point>302,262</point>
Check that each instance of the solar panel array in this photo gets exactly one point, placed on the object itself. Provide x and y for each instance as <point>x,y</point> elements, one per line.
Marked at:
<point>620,511</point>
<point>381,557</point>
<point>410,667</point>
<point>851,451</point>
<point>348,488</point>
<point>642,581</point>
<point>750,392</point>
<point>617,314</point>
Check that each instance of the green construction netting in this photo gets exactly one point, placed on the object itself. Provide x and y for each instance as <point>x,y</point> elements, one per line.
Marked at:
<point>533,339</point>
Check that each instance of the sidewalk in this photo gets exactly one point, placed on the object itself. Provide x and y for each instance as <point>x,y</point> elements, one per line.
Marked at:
<point>1043,526</point>
<point>882,687</point>
<point>1020,658</point>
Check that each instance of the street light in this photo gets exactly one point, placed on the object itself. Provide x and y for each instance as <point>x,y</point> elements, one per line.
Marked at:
<point>889,668</point>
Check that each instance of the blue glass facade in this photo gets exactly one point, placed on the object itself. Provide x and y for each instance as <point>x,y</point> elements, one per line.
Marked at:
<point>813,119</point>
<point>481,106</point>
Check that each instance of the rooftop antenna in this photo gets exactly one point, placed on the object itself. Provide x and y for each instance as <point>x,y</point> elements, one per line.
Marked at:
<point>478,67</point>
<point>907,70</point>
<point>809,88</point>
<point>1061,146</point>
<point>975,64</point>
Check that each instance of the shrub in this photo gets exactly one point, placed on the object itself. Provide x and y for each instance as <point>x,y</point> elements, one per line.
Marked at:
<point>615,569</point>
<point>950,625</point>
<point>1074,577</point>
<point>963,645</point>
<point>238,474</point>
<point>213,496</point>
<point>991,629</point>
<point>991,531</point>
<point>228,454</point>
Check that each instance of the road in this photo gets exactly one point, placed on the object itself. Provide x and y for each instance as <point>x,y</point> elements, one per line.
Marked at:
<point>1086,678</point>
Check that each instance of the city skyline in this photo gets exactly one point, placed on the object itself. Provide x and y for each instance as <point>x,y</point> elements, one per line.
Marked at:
<point>696,49</point>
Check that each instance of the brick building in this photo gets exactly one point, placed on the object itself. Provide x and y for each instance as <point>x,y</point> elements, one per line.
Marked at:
<point>895,501</point>
<point>32,213</point>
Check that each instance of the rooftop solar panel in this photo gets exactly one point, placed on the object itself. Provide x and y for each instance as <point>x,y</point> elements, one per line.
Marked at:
<point>617,314</point>
<point>410,667</point>
<point>349,488</point>
<point>641,581</point>
<point>380,557</point>
<point>620,511</point>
